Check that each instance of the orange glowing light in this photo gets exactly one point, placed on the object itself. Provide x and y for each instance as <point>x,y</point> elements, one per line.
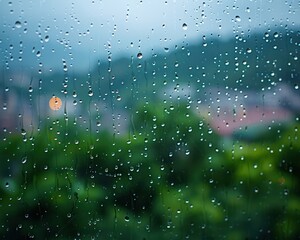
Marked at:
<point>55,103</point>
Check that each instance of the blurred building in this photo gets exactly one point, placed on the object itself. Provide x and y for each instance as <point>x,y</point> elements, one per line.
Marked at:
<point>229,111</point>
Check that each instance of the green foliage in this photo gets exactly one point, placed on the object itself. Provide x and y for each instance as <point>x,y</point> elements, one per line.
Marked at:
<point>172,178</point>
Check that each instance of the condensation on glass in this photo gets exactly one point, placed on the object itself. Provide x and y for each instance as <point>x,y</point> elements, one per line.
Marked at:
<point>140,119</point>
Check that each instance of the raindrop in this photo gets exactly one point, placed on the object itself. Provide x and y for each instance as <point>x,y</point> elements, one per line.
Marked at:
<point>23,132</point>
<point>127,219</point>
<point>24,160</point>
<point>119,98</point>
<point>237,18</point>
<point>184,26</point>
<point>47,38</point>
<point>65,68</point>
<point>90,93</point>
<point>18,24</point>
<point>187,152</point>
<point>139,55</point>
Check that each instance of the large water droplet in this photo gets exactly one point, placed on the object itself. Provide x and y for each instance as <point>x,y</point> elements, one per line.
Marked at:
<point>24,160</point>
<point>184,26</point>
<point>238,18</point>
<point>47,38</point>
<point>18,24</point>
<point>23,132</point>
<point>139,55</point>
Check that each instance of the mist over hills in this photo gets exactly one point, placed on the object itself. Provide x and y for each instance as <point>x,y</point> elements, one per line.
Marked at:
<point>248,61</point>
<point>211,59</point>
<point>191,73</point>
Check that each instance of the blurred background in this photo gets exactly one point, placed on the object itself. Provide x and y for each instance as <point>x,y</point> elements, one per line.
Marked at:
<point>173,120</point>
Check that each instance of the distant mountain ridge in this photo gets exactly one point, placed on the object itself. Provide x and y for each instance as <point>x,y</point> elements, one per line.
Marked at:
<point>257,61</point>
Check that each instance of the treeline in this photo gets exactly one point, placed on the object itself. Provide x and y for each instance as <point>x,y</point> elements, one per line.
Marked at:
<point>172,177</point>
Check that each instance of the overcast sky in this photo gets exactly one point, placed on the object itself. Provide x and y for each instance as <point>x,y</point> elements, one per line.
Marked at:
<point>102,27</point>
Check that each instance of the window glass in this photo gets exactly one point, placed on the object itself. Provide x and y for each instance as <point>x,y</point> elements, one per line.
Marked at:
<point>146,119</point>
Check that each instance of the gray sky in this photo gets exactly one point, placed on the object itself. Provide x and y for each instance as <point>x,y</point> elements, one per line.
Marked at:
<point>128,27</point>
